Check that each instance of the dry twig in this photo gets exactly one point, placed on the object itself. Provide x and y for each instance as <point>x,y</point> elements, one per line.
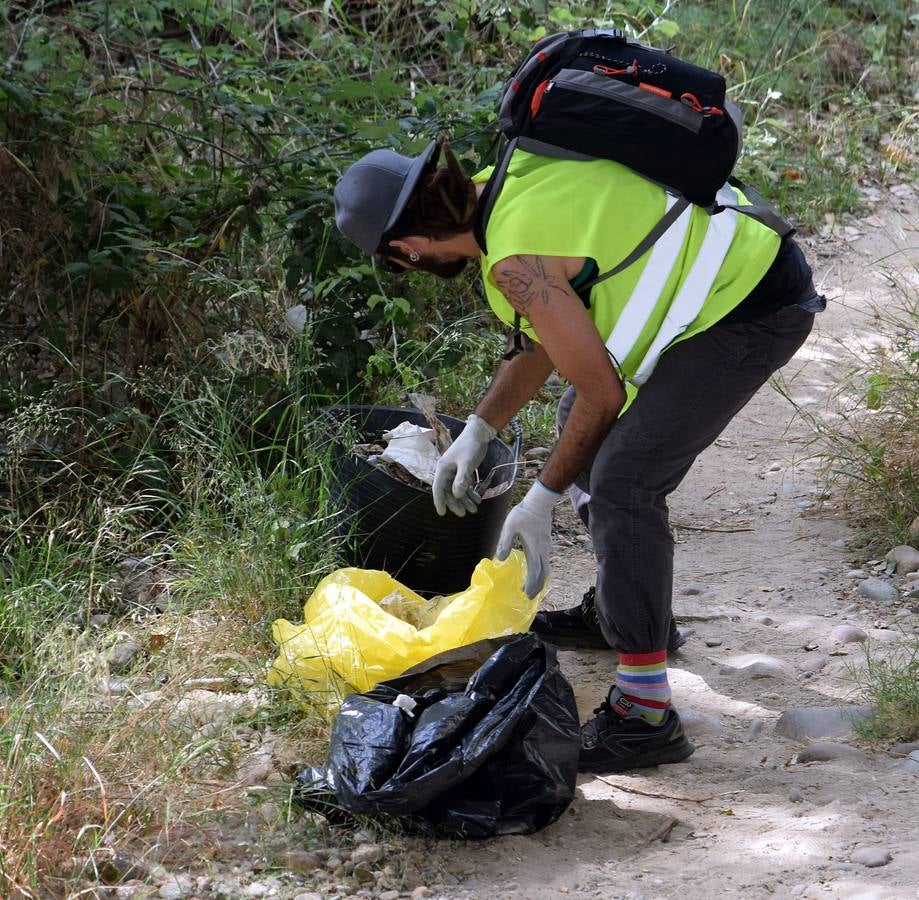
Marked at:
<point>708,528</point>
<point>630,790</point>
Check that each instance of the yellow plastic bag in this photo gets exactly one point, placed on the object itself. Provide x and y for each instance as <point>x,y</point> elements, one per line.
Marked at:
<point>361,627</point>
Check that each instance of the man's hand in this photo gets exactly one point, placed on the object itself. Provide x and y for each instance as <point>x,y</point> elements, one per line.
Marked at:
<point>530,521</point>
<point>455,472</point>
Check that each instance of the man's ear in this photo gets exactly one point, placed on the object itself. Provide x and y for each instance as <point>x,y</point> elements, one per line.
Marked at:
<point>412,244</point>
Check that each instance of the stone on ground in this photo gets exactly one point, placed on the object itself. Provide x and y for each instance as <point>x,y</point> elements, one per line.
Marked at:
<point>754,665</point>
<point>824,751</point>
<point>698,723</point>
<point>820,721</point>
<point>121,657</point>
<point>848,634</point>
<point>813,663</point>
<point>871,857</point>
<point>367,854</point>
<point>693,589</point>
<point>905,558</point>
<point>878,589</point>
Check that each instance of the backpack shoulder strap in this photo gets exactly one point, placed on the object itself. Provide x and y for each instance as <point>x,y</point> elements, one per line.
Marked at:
<point>494,184</point>
<point>646,243</point>
<point>760,209</point>
<point>490,194</point>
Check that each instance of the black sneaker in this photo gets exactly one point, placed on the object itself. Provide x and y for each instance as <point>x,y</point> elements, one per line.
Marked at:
<point>614,743</point>
<point>572,629</point>
<point>578,628</point>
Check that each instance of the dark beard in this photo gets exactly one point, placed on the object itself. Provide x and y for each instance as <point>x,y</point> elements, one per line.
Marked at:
<point>440,268</point>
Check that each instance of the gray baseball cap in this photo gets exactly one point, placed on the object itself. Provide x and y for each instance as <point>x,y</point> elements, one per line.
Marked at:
<point>371,195</point>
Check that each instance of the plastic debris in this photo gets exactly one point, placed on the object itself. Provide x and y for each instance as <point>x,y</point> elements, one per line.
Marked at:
<point>350,641</point>
<point>497,757</point>
<point>406,704</point>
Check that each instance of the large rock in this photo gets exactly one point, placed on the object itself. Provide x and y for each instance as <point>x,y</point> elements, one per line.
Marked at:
<point>848,634</point>
<point>697,724</point>
<point>871,857</point>
<point>824,751</point>
<point>879,590</point>
<point>121,657</point>
<point>905,558</point>
<point>820,721</point>
<point>755,665</point>
<point>909,764</point>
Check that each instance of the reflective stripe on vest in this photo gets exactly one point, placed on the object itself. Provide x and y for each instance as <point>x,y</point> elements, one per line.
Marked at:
<point>654,275</point>
<point>690,298</point>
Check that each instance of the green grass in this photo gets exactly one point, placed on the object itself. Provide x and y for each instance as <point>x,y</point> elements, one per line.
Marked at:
<point>891,686</point>
<point>82,768</point>
<point>458,386</point>
<point>870,446</point>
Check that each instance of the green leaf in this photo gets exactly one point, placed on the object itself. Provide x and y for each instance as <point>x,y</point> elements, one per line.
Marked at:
<point>111,104</point>
<point>455,42</point>
<point>182,223</point>
<point>667,27</point>
<point>19,95</point>
<point>878,386</point>
<point>374,131</point>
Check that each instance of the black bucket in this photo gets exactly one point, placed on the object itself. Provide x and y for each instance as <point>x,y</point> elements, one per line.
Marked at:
<point>393,526</point>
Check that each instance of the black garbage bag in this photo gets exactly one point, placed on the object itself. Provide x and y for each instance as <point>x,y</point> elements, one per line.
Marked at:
<point>498,757</point>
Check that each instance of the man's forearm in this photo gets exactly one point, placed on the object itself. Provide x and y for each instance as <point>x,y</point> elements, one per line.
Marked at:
<point>514,384</point>
<point>585,428</point>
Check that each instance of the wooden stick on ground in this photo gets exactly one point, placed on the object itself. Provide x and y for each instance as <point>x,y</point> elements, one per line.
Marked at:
<point>630,790</point>
<point>680,525</point>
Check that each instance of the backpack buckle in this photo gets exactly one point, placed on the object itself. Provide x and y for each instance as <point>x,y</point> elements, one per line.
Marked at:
<point>520,343</point>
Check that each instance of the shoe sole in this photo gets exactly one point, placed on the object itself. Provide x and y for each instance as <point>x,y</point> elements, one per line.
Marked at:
<point>660,757</point>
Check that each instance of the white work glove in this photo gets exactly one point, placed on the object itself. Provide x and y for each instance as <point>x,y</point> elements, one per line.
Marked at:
<point>531,521</point>
<point>455,472</point>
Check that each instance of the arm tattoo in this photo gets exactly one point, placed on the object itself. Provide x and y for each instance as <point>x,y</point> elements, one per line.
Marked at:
<point>525,280</point>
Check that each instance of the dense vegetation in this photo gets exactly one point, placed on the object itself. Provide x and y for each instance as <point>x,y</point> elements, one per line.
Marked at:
<point>167,168</point>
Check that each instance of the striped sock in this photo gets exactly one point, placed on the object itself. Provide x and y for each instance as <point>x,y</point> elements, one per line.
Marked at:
<point>642,681</point>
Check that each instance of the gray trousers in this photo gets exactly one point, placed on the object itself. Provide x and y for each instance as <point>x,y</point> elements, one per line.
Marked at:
<point>696,389</point>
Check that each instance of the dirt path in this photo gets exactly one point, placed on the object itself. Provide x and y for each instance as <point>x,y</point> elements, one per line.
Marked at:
<point>773,579</point>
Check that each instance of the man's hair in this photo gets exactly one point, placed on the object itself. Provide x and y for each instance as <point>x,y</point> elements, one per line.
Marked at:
<point>442,206</point>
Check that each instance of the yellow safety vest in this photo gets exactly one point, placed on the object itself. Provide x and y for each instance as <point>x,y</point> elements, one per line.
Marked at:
<point>694,275</point>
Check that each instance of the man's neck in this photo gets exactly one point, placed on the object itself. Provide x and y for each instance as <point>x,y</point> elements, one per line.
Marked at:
<point>464,244</point>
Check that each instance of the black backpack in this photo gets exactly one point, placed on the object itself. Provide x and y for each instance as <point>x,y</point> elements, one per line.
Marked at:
<point>593,93</point>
